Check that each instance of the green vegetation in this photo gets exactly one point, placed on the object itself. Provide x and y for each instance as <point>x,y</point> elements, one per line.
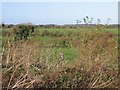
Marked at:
<point>84,57</point>
<point>22,31</point>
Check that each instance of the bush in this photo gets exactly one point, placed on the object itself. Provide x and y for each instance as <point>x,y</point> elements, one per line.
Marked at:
<point>45,33</point>
<point>57,34</point>
<point>52,34</point>
<point>22,31</point>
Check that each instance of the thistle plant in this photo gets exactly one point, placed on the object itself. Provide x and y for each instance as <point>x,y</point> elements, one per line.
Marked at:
<point>88,20</point>
<point>77,22</point>
<point>108,23</point>
<point>98,26</point>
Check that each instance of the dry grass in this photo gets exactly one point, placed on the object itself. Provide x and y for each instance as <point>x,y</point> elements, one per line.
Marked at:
<point>95,67</point>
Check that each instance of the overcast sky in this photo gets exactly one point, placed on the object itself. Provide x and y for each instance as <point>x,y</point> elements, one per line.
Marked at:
<point>58,12</point>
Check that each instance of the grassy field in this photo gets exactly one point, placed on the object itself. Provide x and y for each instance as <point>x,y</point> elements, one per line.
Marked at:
<point>61,57</point>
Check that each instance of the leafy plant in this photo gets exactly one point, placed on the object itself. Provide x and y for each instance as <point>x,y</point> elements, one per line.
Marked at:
<point>22,31</point>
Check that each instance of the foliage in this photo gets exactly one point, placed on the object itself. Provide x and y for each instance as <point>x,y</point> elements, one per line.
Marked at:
<point>90,59</point>
<point>22,31</point>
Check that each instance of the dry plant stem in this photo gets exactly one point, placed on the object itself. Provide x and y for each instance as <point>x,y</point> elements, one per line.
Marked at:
<point>22,84</point>
<point>19,81</point>
<point>30,83</point>
<point>9,53</point>
<point>103,84</point>
<point>12,77</point>
<point>3,51</point>
<point>95,81</point>
<point>36,68</point>
<point>8,69</point>
<point>107,85</point>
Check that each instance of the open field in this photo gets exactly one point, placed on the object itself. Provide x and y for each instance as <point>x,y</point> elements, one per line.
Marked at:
<point>61,57</point>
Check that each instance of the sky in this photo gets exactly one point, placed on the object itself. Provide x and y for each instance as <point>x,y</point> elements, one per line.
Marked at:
<point>58,12</point>
<point>59,0</point>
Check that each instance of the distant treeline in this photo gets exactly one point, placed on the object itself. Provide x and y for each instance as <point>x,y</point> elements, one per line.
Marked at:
<point>59,26</point>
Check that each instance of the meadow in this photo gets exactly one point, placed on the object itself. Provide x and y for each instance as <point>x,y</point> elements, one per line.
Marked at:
<point>84,57</point>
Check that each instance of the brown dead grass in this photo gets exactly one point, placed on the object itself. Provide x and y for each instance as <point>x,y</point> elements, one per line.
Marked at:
<point>96,66</point>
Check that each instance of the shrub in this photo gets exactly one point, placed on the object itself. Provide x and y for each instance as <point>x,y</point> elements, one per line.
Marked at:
<point>52,34</point>
<point>22,31</point>
<point>45,33</point>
